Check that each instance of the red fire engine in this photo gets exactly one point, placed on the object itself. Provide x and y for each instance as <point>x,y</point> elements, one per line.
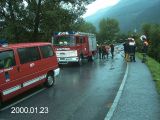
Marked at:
<point>74,46</point>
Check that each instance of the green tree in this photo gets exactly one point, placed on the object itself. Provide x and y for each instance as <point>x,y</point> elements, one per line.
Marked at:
<point>109,29</point>
<point>152,31</point>
<point>56,15</point>
<point>121,37</point>
<point>155,42</point>
<point>37,19</point>
<point>86,27</point>
<point>12,13</point>
<point>146,28</point>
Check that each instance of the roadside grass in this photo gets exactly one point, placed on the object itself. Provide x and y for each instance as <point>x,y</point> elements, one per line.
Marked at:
<point>154,67</point>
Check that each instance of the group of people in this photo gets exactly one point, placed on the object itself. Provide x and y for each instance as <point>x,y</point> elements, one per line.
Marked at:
<point>130,49</point>
<point>104,51</point>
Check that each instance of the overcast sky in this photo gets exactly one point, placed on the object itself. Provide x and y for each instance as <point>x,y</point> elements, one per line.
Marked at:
<point>99,4</point>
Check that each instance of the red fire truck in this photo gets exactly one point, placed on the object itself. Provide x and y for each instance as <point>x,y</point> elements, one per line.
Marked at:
<point>74,46</point>
<point>24,66</point>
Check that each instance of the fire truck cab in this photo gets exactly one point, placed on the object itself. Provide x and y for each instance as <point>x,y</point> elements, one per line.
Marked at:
<point>74,46</point>
<point>24,66</point>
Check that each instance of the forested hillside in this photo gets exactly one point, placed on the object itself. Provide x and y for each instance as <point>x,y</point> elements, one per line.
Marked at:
<point>131,14</point>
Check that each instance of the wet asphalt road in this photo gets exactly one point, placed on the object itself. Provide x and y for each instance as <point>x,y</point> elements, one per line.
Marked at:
<point>80,93</point>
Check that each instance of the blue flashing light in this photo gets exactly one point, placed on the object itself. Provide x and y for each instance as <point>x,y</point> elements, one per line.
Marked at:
<point>64,33</point>
<point>71,33</point>
<point>3,42</point>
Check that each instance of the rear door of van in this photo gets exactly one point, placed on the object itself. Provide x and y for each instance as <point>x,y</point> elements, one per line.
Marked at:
<point>49,59</point>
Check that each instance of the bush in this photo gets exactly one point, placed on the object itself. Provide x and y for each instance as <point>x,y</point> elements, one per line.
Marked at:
<point>153,34</point>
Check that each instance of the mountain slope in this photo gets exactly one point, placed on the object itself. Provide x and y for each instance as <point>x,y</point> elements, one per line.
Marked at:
<point>130,14</point>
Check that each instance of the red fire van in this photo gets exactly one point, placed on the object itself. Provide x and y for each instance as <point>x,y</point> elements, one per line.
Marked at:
<point>24,66</point>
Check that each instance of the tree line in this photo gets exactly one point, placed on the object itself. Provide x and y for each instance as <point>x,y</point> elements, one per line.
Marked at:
<point>109,32</point>
<point>152,31</point>
<point>35,20</point>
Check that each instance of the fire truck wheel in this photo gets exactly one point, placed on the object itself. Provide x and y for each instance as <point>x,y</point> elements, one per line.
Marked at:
<point>50,80</point>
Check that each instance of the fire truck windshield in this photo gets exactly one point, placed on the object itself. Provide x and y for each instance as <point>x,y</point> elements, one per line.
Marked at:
<point>64,41</point>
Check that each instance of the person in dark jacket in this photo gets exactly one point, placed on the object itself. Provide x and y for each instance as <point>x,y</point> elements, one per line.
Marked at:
<point>103,52</point>
<point>126,50</point>
<point>112,50</point>
<point>100,51</point>
<point>132,49</point>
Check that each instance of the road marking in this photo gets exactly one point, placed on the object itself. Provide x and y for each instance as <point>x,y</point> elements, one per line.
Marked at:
<point>117,98</point>
<point>23,99</point>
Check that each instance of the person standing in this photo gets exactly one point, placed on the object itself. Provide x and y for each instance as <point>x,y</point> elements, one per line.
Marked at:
<point>132,49</point>
<point>103,52</point>
<point>126,49</point>
<point>107,50</point>
<point>144,50</point>
<point>100,51</point>
<point>112,50</point>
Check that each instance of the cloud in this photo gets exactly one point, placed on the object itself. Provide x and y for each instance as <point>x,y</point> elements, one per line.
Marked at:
<point>99,4</point>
